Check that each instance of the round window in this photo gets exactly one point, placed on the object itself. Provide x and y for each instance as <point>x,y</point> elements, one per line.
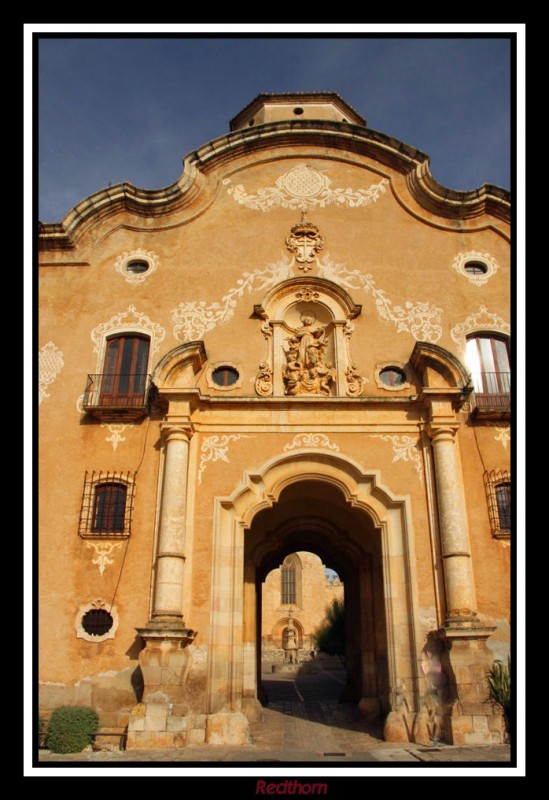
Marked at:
<point>225,376</point>
<point>392,376</point>
<point>97,622</point>
<point>298,111</point>
<point>475,268</point>
<point>137,267</point>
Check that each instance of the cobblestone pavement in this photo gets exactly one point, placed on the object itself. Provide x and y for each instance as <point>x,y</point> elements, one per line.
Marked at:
<point>303,722</point>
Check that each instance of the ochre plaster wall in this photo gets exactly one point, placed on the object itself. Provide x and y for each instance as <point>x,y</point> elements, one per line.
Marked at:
<point>218,256</point>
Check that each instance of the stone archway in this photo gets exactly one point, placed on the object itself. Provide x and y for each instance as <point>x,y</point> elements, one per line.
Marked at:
<point>366,533</point>
<point>313,516</point>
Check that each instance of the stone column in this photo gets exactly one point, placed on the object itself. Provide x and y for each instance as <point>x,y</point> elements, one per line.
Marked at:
<point>170,557</point>
<point>465,716</point>
<point>165,716</point>
<point>453,525</point>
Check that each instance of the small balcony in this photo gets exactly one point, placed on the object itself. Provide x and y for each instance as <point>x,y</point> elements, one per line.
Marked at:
<point>115,398</point>
<point>492,395</point>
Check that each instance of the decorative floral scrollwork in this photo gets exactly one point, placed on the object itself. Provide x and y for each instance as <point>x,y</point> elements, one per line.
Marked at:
<point>50,365</point>
<point>304,187</point>
<point>355,382</point>
<point>264,380</point>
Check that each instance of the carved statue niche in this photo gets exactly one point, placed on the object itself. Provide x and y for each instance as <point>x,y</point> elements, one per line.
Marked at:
<point>308,369</point>
<point>307,326</point>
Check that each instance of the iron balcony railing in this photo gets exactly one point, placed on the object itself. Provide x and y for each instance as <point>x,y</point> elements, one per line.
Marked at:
<point>492,389</point>
<point>125,390</point>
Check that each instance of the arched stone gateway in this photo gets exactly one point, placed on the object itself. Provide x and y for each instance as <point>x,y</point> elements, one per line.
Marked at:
<point>329,505</point>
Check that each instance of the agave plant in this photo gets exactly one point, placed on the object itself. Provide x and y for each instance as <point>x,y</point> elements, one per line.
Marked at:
<point>499,684</point>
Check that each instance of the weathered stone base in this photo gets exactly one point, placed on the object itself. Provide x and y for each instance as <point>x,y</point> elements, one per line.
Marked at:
<point>252,709</point>
<point>155,725</point>
<point>474,723</point>
<point>479,725</point>
<point>227,728</point>
<point>397,727</point>
<point>112,695</point>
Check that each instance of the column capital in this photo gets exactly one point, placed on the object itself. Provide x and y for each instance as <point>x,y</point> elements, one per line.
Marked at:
<point>442,432</point>
<point>177,431</point>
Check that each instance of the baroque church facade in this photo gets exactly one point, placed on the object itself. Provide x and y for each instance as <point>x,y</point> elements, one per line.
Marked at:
<point>302,345</point>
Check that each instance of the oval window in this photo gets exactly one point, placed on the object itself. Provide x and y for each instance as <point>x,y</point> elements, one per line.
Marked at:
<point>225,376</point>
<point>392,376</point>
<point>97,622</point>
<point>475,268</point>
<point>137,267</point>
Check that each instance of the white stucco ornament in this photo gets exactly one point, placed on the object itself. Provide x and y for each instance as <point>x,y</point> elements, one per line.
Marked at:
<point>304,187</point>
<point>50,364</point>
<point>482,320</point>
<point>405,448</point>
<point>215,448</point>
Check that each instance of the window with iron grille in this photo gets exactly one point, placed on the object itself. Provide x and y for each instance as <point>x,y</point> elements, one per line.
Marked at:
<point>97,622</point>
<point>498,493</point>
<point>107,504</point>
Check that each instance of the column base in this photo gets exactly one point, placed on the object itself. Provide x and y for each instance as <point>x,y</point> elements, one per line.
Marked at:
<point>153,725</point>
<point>165,717</point>
<point>464,712</point>
<point>165,662</point>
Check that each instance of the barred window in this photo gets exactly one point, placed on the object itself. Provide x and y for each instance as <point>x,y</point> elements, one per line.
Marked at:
<point>109,509</point>
<point>503,500</point>
<point>498,494</point>
<point>97,622</point>
<point>107,504</point>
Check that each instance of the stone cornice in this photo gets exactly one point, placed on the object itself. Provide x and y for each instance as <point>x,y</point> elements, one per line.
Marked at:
<point>342,136</point>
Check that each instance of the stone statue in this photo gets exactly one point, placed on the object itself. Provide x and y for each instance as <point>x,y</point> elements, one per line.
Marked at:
<point>290,643</point>
<point>306,371</point>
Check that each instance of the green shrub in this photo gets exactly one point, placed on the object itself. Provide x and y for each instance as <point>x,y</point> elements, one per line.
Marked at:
<point>499,684</point>
<point>70,728</point>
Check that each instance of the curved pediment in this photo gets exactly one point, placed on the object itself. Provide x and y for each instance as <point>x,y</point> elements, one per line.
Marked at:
<point>438,368</point>
<point>303,290</point>
<point>179,366</point>
<point>262,140</point>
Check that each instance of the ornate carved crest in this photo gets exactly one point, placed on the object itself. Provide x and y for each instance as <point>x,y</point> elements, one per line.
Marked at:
<point>304,242</point>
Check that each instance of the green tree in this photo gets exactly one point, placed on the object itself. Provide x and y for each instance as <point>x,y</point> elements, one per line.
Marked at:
<point>330,635</point>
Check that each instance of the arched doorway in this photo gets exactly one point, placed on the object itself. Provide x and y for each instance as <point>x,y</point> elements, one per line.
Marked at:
<point>329,505</point>
<point>312,515</point>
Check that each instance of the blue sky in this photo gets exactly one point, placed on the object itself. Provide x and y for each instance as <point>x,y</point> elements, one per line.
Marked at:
<point>129,109</point>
